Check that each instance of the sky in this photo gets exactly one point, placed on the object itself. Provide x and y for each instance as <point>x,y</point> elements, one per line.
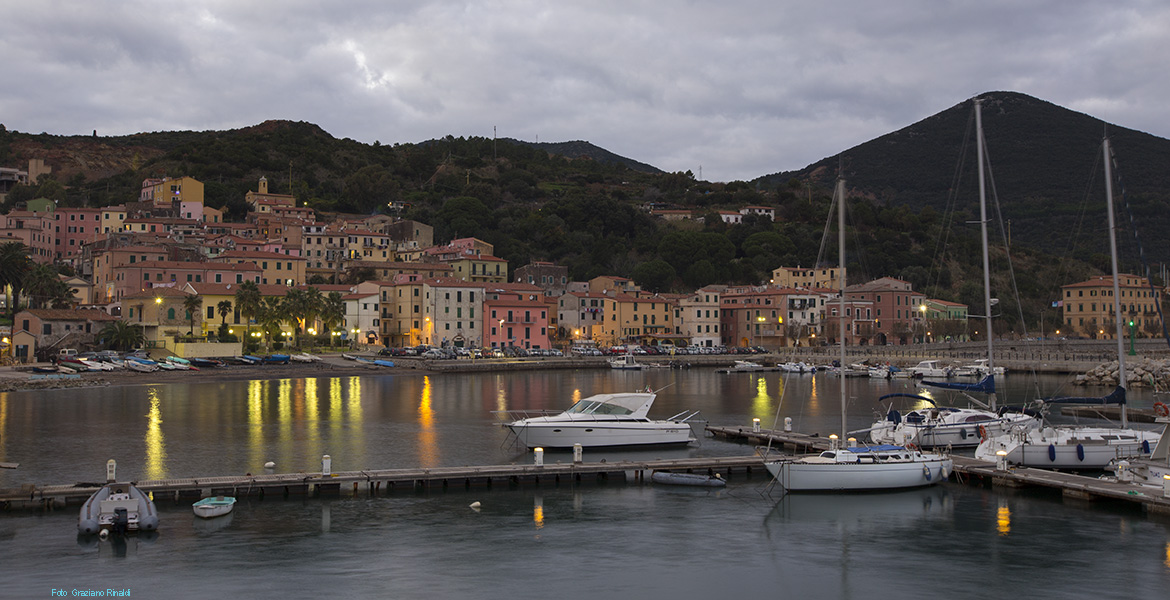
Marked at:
<point>729,90</point>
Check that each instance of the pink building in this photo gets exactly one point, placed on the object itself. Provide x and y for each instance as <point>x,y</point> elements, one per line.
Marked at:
<point>32,229</point>
<point>515,314</point>
<point>72,228</point>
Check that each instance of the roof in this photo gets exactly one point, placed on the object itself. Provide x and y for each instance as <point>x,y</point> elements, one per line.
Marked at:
<point>158,292</point>
<point>229,289</point>
<point>256,254</point>
<point>70,314</point>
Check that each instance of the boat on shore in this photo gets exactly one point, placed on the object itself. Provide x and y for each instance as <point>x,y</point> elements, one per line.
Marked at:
<point>213,506</point>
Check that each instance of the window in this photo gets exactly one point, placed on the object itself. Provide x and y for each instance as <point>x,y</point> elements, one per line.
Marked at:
<point>170,314</point>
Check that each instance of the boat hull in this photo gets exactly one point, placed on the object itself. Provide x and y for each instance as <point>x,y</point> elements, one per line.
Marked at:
<point>691,479</point>
<point>101,510</point>
<point>813,475</point>
<point>595,434</point>
<point>965,434</point>
<point>209,508</point>
<point>1078,448</point>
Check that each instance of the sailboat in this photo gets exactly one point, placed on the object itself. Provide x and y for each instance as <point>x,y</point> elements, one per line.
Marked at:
<point>1079,447</point>
<point>867,468</point>
<point>956,427</point>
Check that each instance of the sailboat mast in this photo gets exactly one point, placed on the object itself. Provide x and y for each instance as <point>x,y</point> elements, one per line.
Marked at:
<point>1116,284</point>
<point>841,311</point>
<point>986,260</point>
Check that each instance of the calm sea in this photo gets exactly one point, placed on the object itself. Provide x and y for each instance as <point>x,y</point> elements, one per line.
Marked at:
<point>585,541</point>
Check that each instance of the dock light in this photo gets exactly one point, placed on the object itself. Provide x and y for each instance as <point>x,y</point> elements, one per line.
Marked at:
<point>576,454</point>
<point>788,424</point>
<point>1166,486</point>
<point>539,456</point>
<point>852,442</point>
<point>326,465</point>
<point>756,425</point>
<point>1001,460</point>
<point>833,441</point>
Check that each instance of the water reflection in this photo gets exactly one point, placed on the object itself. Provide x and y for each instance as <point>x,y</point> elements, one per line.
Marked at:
<point>538,512</point>
<point>156,452</point>
<point>762,402</point>
<point>1003,518</point>
<point>428,447</point>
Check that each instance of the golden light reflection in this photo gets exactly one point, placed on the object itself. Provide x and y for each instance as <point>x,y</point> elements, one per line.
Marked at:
<point>1168,555</point>
<point>284,414</point>
<point>1003,520</point>
<point>538,513</point>
<point>762,402</point>
<point>428,447</point>
<point>256,452</point>
<point>156,452</point>
<point>353,417</point>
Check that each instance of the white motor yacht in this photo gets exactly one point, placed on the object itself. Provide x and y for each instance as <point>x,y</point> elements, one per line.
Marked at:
<point>604,420</point>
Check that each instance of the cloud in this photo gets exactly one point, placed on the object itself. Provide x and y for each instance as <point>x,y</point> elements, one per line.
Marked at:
<point>738,89</point>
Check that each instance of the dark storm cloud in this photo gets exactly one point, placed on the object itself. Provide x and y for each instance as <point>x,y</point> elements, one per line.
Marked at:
<point>738,89</point>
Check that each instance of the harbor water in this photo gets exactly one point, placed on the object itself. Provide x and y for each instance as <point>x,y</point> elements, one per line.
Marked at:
<point>611,540</point>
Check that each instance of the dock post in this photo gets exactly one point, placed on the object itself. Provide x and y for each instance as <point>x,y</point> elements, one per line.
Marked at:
<point>788,424</point>
<point>539,456</point>
<point>1166,486</point>
<point>326,464</point>
<point>576,454</point>
<point>756,425</point>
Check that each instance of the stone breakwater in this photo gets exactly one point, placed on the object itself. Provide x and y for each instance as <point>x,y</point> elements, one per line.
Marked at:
<point>1145,372</point>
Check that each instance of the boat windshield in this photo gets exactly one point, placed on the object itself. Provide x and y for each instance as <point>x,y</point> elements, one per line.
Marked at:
<point>593,407</point>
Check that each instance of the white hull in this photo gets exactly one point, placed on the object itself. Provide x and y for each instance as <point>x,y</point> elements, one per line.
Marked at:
<point>963,434</point>
<point>593,434</point>
<point>1069,447</point>
<point>821,475</point>
<point>624,363</point>
<point>210,507</point>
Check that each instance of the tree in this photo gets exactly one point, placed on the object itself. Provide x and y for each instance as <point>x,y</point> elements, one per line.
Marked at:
<point>333,311</point>
<point>14,263</point>
<point>224,308</point>
<point>192,304</point>
<point>249,301</point>
<point>44,288</point>
<point>121,335</point>
<point>656,275</point>
<point>270,315</point>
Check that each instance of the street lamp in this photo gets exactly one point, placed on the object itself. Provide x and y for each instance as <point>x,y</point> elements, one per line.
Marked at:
<point>922,309</point>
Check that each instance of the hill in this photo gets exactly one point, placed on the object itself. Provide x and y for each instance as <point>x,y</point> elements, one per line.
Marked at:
<point>1047,172</point>
<point>913,195</point>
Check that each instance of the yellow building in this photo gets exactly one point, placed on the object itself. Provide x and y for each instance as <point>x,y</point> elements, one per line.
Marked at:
<point>163,192</point>
<point>824,277</point>
<point>1088,307</point>
<point>277,269</point>
<point>634,319</point>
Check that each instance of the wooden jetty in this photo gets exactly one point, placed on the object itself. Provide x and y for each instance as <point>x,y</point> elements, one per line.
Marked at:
<point>969,469</point>
<point>377,482</point>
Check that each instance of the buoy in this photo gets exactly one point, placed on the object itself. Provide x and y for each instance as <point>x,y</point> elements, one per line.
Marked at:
<point>269,465</point>
<point>475,505</point>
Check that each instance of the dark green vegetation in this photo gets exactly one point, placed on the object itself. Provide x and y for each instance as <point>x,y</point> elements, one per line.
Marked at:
<point>913,195</point>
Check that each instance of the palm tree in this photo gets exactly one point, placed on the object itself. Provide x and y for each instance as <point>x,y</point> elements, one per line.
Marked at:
<point>121,335</point>
<point>248,301</point>
<point>43,287</point>
<point>14,263</point>
<point>270,315</point>
<point>224,308</point>
<point>333,311</point>
<point>193,303</point>
<point>302,306</point>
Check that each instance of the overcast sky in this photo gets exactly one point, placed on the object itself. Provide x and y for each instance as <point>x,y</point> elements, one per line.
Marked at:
<point>734,89</point>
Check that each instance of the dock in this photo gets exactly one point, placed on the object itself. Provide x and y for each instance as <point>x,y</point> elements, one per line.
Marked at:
<point>378,482</point>
<point>971,470</point>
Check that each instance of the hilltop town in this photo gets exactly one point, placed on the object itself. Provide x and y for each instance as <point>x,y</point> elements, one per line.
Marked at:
<point>191,282</point>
